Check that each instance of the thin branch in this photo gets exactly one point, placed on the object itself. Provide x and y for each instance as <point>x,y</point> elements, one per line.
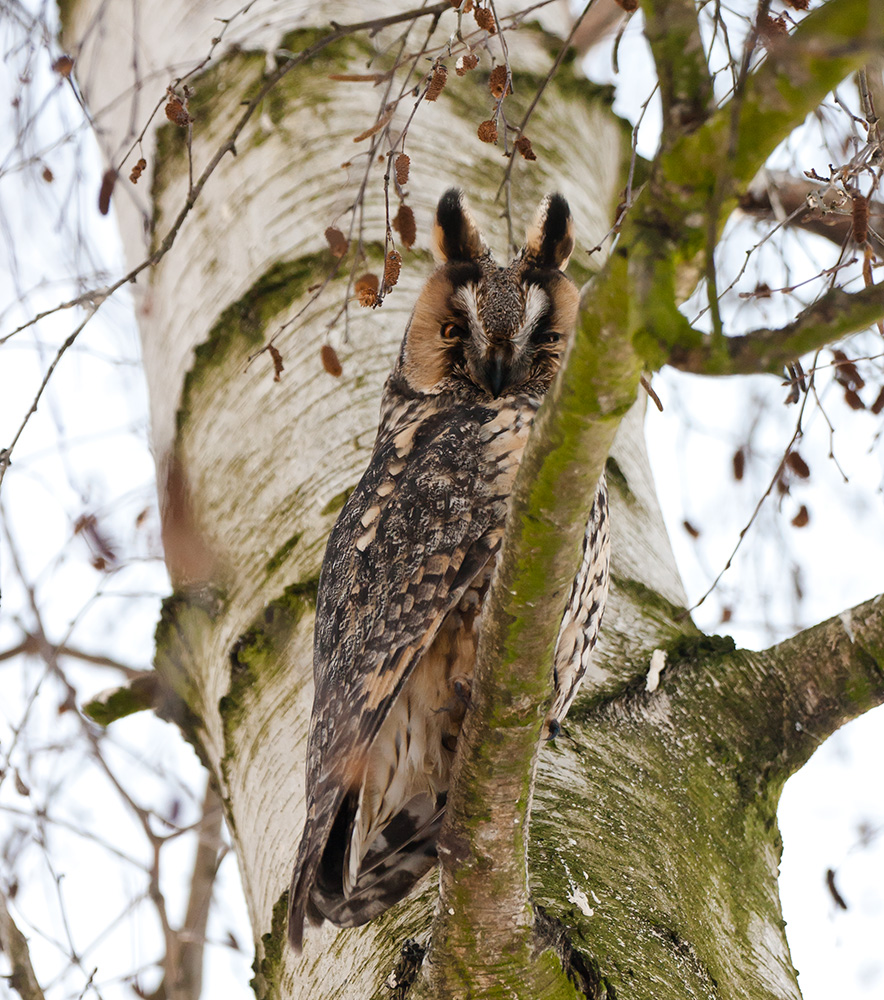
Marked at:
<point>184,978</point>
<point>38,645</point>
<point>834,316</point>
<point>98,296</point>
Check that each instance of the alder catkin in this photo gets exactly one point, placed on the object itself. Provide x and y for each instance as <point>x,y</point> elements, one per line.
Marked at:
<point>404,224</point>
<point>437,82</point>
<point>487,131</point>
<point>485,19</point>
<point>402,164</point>
<point>107,189</point>
<point>523,145</point>
<point>498,83</point>
<point>337,241</point>
<point>366,289</point>
<point>392,267</point>
<point>330,360</point>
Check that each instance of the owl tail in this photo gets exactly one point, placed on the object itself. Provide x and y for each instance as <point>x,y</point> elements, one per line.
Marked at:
<point>402,854</point>
<point>398,857</point>
<point>312,850</point>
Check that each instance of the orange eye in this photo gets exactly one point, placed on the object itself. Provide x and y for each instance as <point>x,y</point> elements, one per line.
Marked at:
<point>451,331</point>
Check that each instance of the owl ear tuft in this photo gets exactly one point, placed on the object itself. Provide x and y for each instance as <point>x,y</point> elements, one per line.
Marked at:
<point>550,238</point>
<point>455,235</point>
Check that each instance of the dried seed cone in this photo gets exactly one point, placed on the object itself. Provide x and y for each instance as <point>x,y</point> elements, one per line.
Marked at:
<point>402,164</point>
<point>177,113</point>
<point>485,19</point>
<point>366,289</point>
<point>330,360</point>
<point>523,145</point>
<point>498,83</point>
<point>487,131</point>
<point>392,267</point>
<point>404,224</point>
<point>465,64</point>
<point>337,241</point>
<point>437,83</point>
<point>138,170</point>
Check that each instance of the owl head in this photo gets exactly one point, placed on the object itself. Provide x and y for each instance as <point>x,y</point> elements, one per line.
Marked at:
<point>485,331</point>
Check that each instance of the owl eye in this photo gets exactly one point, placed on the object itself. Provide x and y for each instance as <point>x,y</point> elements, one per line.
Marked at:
<point>545,337</point>
<point>451,331</point>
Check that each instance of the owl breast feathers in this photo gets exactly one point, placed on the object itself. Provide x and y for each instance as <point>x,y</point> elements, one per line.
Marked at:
<point>409,561</point>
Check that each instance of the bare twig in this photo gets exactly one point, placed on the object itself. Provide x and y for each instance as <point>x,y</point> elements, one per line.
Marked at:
<point>745,530</point>
<point>98,296</point>
<point>538,93</point>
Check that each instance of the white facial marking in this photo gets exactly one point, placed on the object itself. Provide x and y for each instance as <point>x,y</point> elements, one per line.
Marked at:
<point>536,305</point>
<point>466,298</point>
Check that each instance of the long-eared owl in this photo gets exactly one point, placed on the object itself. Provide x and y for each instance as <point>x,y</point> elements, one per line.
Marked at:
<point>410,558</point>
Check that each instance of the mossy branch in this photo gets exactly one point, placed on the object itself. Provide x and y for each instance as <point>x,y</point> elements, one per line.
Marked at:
<point>827,46</point>
<point>837,314</point>
<point>483,933</point>
<point>824,676</point>
<point>673,32</point>
<point>776,706</point>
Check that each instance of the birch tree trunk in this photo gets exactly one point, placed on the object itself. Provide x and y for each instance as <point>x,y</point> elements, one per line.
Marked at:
<point>654,846</point>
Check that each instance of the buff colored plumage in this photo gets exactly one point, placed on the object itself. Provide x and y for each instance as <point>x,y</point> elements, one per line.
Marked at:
<point>410,558</point>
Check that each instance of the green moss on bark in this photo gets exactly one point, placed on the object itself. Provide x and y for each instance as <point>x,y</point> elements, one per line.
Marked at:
<point>244,323</point>
<point>282,553</point>
<point>136,696</point>
<point>187,620</point>
<point>257,656</point>
<point>337,502</point>
<point>267,969</point>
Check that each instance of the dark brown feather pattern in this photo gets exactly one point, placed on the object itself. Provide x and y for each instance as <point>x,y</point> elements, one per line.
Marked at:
<point>409,560</point>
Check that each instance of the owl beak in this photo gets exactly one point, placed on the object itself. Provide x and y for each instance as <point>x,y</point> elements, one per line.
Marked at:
<point>496,373</point>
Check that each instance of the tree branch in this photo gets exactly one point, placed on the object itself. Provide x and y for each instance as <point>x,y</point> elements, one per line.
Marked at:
<point>14,944</point>
<point>826,676</point>
<point>482,934</point>
<point>673,33</point>
<point>39,645</point>
<point>205,868</point>
<point>774,708</point>
<point>827,46</point>
<point>837,314</point>
<point>184,977</point>
<point>791,193</point>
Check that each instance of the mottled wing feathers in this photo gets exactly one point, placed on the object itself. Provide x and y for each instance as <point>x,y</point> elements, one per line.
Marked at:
<point>411,556</point>
<point>421,525</point>
<point>583,614</point>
